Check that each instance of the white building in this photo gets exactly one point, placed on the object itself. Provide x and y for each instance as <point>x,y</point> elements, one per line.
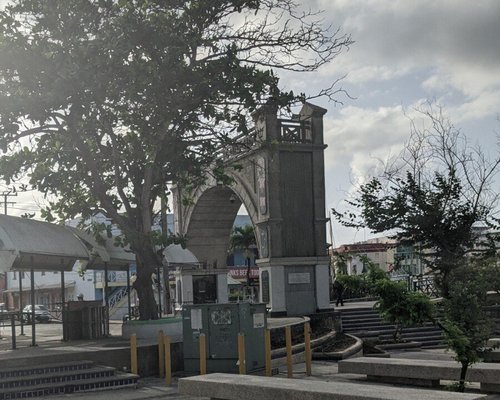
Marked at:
<point>379,251</point>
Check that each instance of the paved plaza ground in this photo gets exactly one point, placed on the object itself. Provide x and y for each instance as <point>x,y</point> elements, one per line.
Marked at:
<point>154,388</point>
<point>49,342</point>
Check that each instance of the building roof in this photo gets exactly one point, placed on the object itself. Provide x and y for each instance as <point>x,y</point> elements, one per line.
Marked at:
<point>116,257</point>
<point>26,244</point>
<point>364,247</point>
<point>175,254</point>
<point>43,286</point>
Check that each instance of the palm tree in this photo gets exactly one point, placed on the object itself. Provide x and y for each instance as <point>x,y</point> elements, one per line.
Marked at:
<point>243,238</point>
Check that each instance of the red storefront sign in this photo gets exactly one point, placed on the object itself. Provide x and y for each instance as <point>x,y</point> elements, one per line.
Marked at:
<point>241,273</point>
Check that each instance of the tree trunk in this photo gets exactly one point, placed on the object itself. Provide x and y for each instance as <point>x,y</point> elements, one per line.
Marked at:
<point>463,372</point>
<point>146,266</point>
<point>147,304</point>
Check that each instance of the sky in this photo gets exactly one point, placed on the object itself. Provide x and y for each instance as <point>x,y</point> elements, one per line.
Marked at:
<point>405,53</point>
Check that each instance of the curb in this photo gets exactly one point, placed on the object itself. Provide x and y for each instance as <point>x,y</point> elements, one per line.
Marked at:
<point>355,350</point>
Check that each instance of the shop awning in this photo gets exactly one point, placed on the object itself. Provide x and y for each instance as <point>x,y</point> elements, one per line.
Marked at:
<point>67,285</point>
<point>176,255</point>
<point>26,244</point>
<point>116,257</point>
<point>233,282</point>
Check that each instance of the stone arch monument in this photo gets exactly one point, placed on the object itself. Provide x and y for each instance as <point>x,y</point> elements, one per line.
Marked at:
<point>280,180</point>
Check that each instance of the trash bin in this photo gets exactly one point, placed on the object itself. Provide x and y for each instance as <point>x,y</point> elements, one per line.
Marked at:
<point>85,320</point>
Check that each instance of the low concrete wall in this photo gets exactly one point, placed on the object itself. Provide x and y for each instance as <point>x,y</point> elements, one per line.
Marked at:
<point>149,329</point>
<point>147,336</point>
<point>147,359</point>
<point>249,387</point>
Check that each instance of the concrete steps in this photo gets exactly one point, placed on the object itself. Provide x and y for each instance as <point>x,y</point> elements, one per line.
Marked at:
<point>61,378</point>
<point>31,370</point>
<point>366,323</point>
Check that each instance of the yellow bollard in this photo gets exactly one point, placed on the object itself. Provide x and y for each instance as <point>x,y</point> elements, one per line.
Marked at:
<point>168,360</point>
<point>203,354</point>
<point>267,350</point>
<point>289,365</point>
<point>133,354</point>
<point>307,345</point>
<point>161,360</point>
<point>241,354</point>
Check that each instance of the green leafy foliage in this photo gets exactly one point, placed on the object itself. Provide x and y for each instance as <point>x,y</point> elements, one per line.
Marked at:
<point>466,307</point>
<point>400,307</point>
<point>355,284</point>
<point>363,285</point>
<point>465,319</point>
<point>395,303</point>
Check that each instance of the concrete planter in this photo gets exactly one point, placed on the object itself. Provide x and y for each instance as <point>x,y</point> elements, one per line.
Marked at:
<point>171,326</point>
<point>399,346</point>
<point>355,350</point>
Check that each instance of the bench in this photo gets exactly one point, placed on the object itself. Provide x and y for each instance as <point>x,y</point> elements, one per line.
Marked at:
<point>248,387</point>
<point>422,372</point>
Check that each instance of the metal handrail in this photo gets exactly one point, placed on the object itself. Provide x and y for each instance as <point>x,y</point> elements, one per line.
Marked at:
<point>116,297</point>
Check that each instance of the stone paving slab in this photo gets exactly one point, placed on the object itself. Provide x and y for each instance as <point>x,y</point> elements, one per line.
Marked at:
<point>248,387</point>
<point>420,369</point>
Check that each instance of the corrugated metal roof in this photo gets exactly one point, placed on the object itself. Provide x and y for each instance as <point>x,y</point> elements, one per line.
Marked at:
<point>115,256</point>
<point>26,243</point>
<point>48,286</point>
<point>175,254</point>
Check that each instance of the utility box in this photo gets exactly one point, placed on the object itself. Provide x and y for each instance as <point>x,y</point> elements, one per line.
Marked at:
<point>221,324</point>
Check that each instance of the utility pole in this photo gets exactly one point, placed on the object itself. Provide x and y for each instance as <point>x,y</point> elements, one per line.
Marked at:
<point>5,195</point>
<point>164,233</point>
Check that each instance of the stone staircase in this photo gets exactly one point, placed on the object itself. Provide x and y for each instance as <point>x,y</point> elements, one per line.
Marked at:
<point>61,378</point>
<point>367,324</point>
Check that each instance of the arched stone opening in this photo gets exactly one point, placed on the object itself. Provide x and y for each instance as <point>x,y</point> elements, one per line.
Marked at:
<point>210,225</point>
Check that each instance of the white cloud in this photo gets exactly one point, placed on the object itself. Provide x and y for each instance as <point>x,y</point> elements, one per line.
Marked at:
<point>456,41</point>
<point>404,52</point>
<point>365,135</point>
<point>485,105</point>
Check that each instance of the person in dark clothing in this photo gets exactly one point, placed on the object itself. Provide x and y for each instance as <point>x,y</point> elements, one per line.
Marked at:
<point>339,291</point>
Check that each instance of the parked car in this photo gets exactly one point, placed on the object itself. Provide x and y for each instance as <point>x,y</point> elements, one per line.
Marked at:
<point>42,313</point>
<point>3,312</point>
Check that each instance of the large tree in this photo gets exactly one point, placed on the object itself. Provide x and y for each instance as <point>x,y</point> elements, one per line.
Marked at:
<point>439,196</point>
<point>104,103</point>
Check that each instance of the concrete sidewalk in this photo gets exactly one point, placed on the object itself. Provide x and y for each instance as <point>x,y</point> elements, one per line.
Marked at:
<point>49,345</point>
